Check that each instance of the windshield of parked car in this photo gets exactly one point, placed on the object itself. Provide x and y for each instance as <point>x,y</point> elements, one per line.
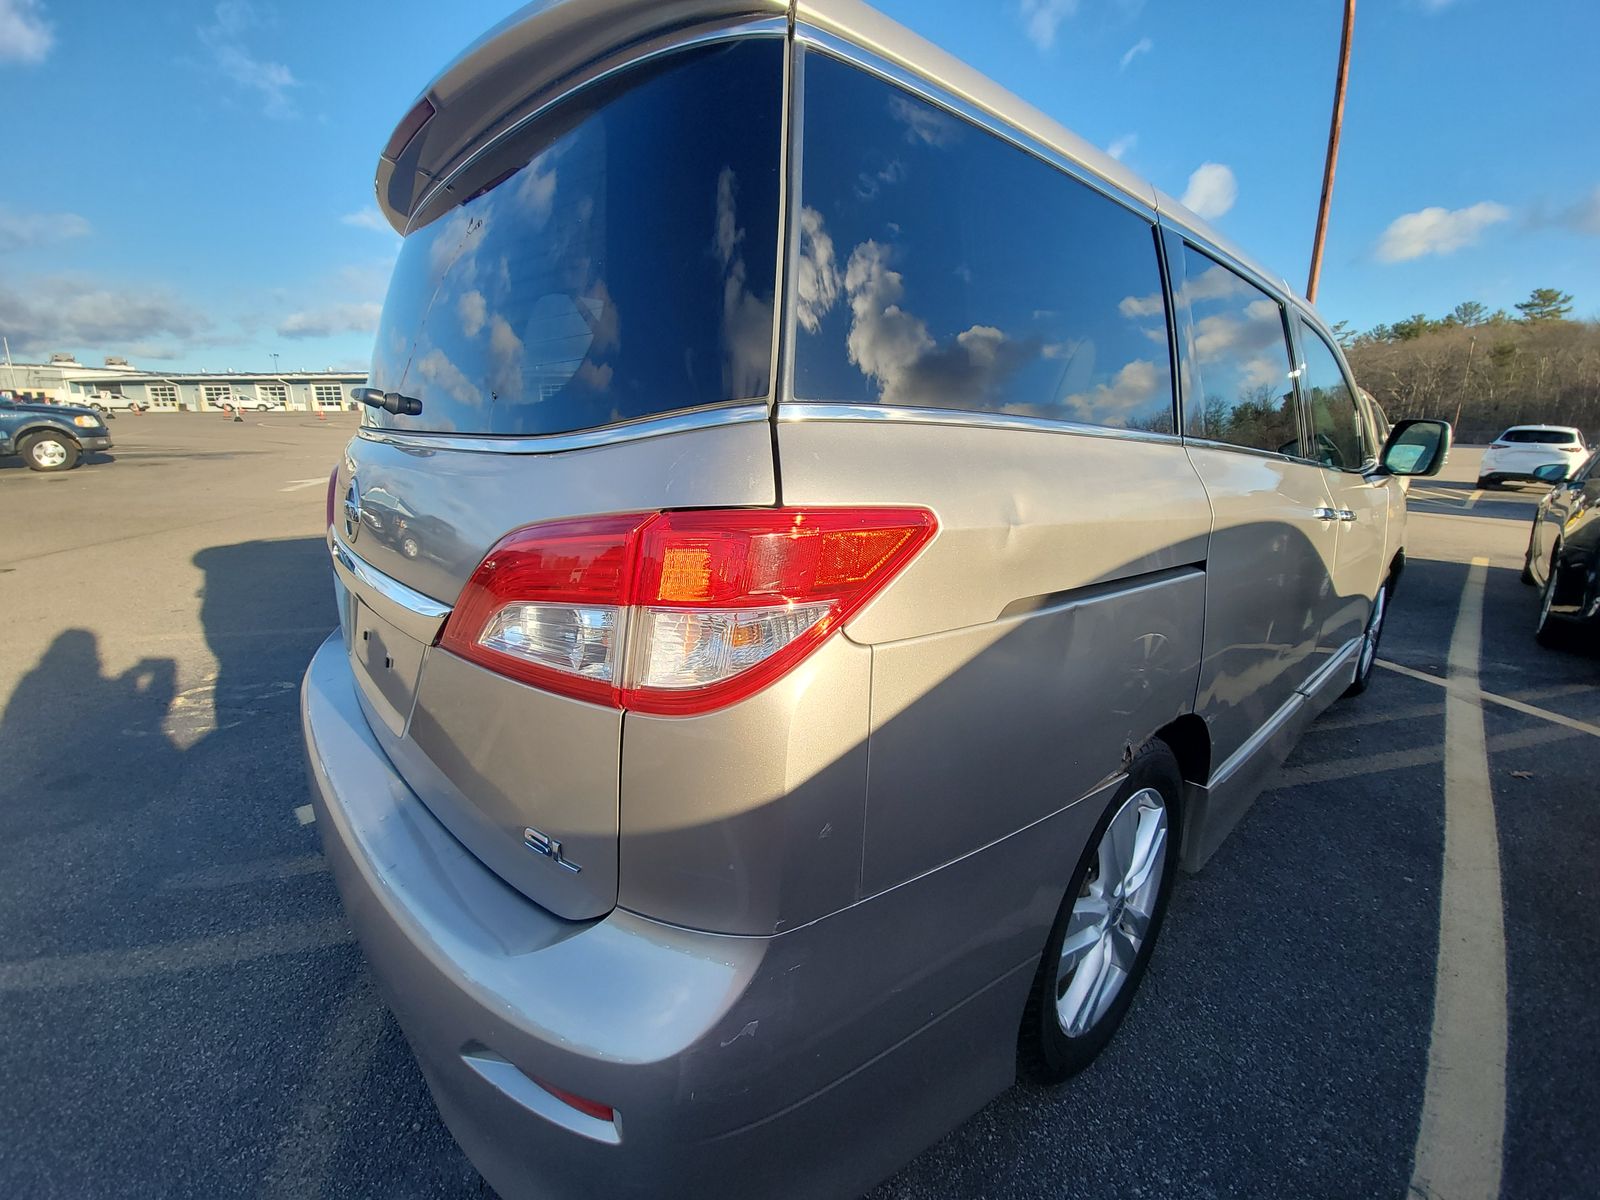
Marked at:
<point>621,265</point>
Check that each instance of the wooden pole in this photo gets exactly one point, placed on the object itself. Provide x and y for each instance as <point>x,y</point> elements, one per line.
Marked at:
<point>1333,150</point>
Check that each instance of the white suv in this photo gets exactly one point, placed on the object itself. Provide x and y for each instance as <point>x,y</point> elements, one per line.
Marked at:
<point>1517,453</point>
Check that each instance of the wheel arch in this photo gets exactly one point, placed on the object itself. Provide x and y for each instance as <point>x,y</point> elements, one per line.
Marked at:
<point>1190,742</point>
<point>28,431</point>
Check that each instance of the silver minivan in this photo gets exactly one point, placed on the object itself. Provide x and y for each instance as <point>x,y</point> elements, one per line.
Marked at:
<point>825,545</point>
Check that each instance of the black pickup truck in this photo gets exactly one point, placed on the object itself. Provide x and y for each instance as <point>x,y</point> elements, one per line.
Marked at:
<point>50,437</point>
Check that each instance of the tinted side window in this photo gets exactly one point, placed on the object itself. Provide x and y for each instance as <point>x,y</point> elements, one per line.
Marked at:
<point>943,267</point>
<point>1243,387</point>
<point>1334,419</point>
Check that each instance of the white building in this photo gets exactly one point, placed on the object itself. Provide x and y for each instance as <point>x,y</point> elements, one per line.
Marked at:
<point>64,380</point>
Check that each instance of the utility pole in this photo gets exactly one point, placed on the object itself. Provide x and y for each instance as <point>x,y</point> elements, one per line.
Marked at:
<point>1333,149</point>
<point>9,367</point>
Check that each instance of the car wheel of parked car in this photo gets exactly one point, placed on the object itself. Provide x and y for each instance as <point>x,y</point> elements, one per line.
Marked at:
<point>50,452</point>
<point>409,546</point>
<point>1550,631</point>
<point>1488,485</point>
<point>1367,654</point>
<point>1104,934</point>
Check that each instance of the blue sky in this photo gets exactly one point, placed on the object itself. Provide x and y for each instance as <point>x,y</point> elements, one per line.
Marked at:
<point>189,183</point>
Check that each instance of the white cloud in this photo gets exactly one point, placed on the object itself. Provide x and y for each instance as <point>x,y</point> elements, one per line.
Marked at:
<point>474,311</point>
<point>1143,46</point>
<point>334,319</point>
<point>1130,391</point>
<point>224,41</point>
<point>1119,148</point>
<point>923,123</point>
<point>536,192</point>
<point>25,36</point>
<point>816,273</point>
<point>56,312</point>
<point>437,368</point>
<point>1041,19</point>
<point>22,230</point>
<point>367,218</point>
<point>1211,191</point>
<point>505,356</point>
<point>1437,230</point>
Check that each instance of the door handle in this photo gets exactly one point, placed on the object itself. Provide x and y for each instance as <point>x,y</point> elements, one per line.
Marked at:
<point>1346,514</point>
<point>1324,513</point>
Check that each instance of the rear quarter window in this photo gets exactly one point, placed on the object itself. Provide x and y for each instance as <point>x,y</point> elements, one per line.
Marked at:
<point>619,264</point>
<point>942,267</point>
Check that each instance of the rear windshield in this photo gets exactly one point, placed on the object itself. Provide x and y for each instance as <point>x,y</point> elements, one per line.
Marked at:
<point>618,262</point>
<point>1539,437</point>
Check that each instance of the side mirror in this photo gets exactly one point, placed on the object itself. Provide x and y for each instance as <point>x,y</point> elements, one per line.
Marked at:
<point>1552,472</point>
<point>1416,447</point>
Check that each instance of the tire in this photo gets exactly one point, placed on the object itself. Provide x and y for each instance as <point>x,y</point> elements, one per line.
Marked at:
<point>1551,631</point>
<point>49,452</point>
<point>262,407</point>
<point>1367,654</point>
<point>1488,485</point>
<point>1069,1020</point>
<point>409,546</point>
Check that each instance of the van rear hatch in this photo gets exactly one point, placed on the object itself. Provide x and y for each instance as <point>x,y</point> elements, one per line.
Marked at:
<point>589,331</point>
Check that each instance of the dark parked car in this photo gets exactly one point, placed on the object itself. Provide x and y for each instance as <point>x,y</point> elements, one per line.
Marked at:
<point>1564,554</point>
<point>50,437</point>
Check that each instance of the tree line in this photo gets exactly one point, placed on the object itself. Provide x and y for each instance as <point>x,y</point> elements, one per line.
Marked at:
<point>1482,370</point>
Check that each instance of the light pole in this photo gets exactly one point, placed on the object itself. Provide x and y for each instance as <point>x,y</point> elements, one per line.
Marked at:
<point>1333,149</point>
<point>274,357</point>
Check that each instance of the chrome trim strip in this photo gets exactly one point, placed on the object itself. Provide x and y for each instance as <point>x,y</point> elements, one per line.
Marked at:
<point>809,410</point>
<point>1269,729</point>
<point>811,36</point>
<point>393,590</point>
<point>1327,670</point>
<point>738,413</point>
<point>672,43</point>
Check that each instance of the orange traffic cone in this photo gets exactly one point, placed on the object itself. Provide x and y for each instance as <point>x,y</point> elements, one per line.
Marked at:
<point>321,415</point>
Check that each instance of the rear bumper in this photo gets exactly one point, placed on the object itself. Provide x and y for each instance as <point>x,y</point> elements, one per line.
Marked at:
<point>737,1066</point>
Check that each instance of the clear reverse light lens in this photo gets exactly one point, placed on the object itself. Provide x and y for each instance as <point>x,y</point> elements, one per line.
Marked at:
<point>578,639</point>
<point>694,647</point>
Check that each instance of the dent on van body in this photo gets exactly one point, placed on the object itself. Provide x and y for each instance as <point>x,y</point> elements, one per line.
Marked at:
<point>983,725</point>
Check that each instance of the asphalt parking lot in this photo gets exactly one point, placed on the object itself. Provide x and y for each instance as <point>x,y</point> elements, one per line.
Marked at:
<point>184,1013</point>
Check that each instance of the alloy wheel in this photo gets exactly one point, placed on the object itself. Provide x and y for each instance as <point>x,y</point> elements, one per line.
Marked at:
<point>1111,917</point>
<point>49,453</point>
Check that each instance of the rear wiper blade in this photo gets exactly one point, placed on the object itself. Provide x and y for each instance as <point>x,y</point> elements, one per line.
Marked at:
<point>400,406</point>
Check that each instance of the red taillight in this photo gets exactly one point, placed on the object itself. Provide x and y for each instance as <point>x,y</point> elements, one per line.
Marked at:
<point>333,486</point>
<point>589,1108</point>
<point>410,125</point>
<point>676,612</point>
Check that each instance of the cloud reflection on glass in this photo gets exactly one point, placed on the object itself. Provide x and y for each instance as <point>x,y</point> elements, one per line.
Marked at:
<point>968,274</point>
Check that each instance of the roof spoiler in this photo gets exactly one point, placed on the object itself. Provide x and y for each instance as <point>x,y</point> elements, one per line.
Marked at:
<point>533,56</point>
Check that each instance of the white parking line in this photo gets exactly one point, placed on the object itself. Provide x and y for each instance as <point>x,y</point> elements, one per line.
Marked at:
<point>1462,1129</point>
<point>296,484</point>
<point>305,814</point>
<point>1530,710</point>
